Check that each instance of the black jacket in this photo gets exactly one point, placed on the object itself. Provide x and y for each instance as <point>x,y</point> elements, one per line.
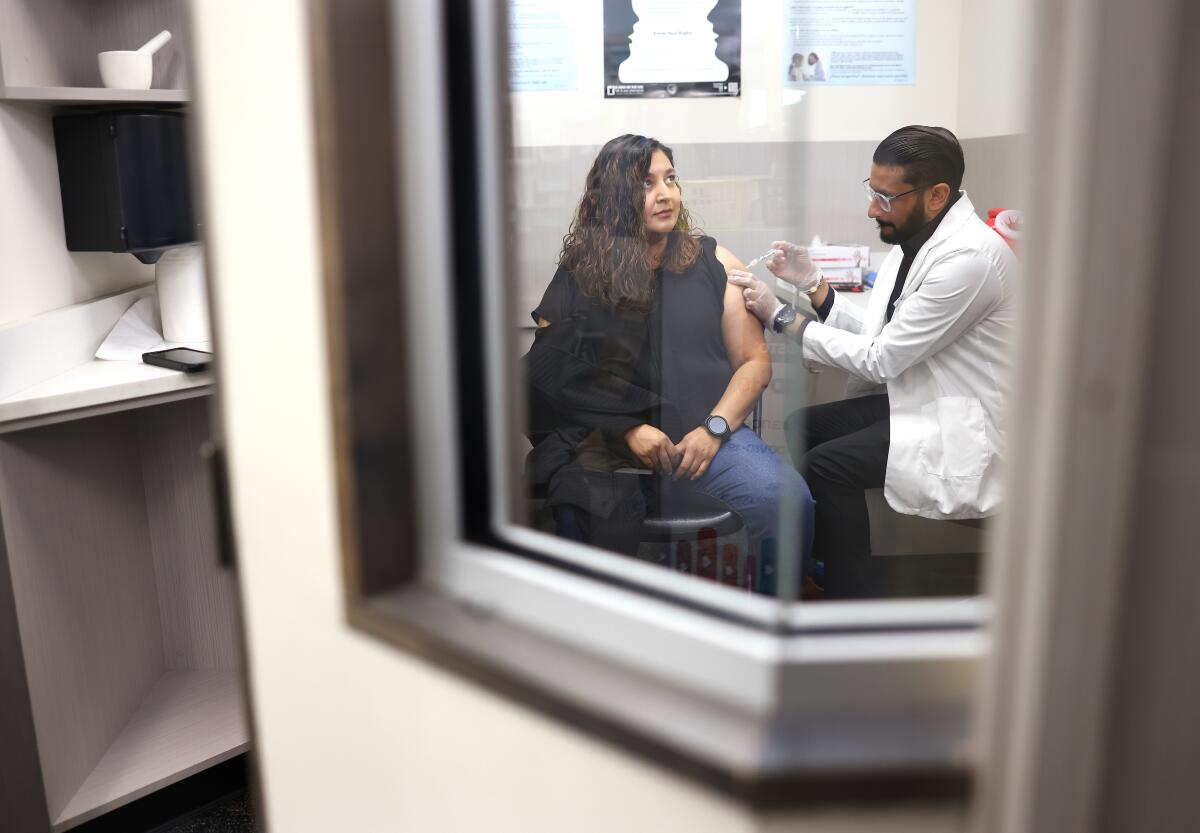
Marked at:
<point>579,410</point>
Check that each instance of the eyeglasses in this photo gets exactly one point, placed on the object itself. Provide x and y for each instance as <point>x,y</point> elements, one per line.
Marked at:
<point>885,202</point>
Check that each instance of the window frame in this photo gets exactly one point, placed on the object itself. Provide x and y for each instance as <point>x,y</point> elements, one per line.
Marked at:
<point>863,699</point>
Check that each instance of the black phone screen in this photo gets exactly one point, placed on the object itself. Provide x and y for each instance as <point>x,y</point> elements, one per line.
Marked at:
<point>179,358</point>
<point>185,355</point>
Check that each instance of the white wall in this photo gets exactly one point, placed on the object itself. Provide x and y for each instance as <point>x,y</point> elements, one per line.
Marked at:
<point>37,273</point>
<point>994,68</point>
<point>352,734</point>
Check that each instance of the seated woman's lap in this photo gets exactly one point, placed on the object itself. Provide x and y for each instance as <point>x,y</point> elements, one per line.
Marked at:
<point>756,483</point>
<point>748,477</point>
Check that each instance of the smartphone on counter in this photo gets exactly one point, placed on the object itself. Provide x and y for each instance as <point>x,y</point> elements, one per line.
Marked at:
<point>179,358</point>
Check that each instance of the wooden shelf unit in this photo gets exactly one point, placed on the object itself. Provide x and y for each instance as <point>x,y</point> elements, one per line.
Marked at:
<point>126,619</point>
<point>119,655</point>
<point>189,721</point>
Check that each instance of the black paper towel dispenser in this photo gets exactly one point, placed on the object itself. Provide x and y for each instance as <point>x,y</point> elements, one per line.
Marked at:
<point>124,181</point>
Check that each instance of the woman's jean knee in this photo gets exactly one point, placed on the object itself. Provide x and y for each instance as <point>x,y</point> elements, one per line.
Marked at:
<point>758,484</point>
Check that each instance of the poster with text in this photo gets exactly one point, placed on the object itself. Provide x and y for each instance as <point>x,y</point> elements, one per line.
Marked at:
<point>541,45</point>
<point>865,42</point>
<point>672,48</point>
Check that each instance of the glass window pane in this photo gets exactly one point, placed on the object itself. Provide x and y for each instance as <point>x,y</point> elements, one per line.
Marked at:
<point>659,148</point>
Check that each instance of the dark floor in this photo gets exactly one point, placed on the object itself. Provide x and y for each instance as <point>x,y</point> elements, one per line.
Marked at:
<point>215,800</point>
<point>230,815</point>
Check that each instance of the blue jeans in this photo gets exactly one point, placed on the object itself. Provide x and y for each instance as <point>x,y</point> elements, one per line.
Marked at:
<point>758,484</point>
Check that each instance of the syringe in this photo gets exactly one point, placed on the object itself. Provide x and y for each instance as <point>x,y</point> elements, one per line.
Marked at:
<point>761,258</point>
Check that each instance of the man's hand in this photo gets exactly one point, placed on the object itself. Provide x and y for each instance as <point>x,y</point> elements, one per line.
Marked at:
<point>652,447</point>
<point>696,451</point>
<point>759,297</point>
<point>795,265</point>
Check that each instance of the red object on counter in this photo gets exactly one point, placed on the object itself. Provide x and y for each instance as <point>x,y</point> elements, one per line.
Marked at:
<point>992,214</point>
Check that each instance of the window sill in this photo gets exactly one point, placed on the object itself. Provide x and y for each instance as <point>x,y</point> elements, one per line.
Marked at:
<point>850,717</point>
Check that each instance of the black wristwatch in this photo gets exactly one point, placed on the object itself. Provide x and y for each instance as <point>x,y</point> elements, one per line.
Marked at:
<point>718,427</point>
<point>785,316</point>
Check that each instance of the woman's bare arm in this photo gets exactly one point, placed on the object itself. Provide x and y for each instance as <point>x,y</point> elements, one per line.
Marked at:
<point>747,349</point>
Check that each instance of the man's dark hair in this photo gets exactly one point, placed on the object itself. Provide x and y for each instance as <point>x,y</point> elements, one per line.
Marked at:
<point>928,155</point>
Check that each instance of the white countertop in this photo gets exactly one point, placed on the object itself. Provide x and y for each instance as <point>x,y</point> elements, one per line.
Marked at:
<point>97,383</point>
<point>785,292</point>
<point>49,373</point>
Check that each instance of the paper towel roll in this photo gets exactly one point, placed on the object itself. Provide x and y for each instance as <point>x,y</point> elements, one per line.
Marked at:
<point>182,300</point>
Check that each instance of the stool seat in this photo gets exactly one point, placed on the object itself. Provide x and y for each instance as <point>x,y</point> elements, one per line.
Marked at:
<point>685,514</point>
<point>687,526</point>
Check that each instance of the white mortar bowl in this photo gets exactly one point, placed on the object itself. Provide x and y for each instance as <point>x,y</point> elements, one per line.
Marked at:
<point>126,69</point>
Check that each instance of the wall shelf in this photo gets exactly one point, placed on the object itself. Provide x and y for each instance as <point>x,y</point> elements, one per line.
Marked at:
<point>98,387</point>
<point>92,95</point>
<point>189,721</point>
<point>52,376</point>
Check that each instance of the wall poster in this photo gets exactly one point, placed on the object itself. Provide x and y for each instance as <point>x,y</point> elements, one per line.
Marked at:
<point>672,48</point>
<point>866,42</point>
<point>541,45</point>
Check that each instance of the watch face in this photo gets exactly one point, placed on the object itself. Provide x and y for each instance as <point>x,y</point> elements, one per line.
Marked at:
<point>717,425</point>
<point>785,316</point>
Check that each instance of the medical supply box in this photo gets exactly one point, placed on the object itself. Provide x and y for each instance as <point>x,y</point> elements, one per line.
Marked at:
<point>843,266</point>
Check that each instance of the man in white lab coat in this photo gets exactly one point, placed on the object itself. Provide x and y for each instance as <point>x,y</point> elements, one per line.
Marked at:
<point>929,360</point>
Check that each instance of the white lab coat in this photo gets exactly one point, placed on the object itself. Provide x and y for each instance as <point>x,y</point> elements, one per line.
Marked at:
<point>945,359</point>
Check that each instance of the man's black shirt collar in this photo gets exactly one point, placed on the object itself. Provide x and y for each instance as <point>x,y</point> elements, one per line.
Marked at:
<point>913,244</point>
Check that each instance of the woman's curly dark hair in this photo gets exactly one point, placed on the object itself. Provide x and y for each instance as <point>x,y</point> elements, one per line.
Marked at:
<point>607,248</point>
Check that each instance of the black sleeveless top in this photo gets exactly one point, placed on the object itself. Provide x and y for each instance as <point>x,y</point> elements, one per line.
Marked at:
<point>676,349</point>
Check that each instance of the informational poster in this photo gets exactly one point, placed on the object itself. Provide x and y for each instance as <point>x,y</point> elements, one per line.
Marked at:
<point>865,42</point>
<point>542,45</point>
<point>672,48</point>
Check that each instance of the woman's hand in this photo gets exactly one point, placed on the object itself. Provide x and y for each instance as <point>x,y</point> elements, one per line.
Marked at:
<point>696,451</point>
<point>652,447</point>
<point>758,297</point>
<point>795,265</point>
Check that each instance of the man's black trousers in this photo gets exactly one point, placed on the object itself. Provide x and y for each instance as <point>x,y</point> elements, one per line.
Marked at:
<point>841,448</point>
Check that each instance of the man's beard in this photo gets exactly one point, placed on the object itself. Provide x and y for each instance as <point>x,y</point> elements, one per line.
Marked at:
<point>894,234</point>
